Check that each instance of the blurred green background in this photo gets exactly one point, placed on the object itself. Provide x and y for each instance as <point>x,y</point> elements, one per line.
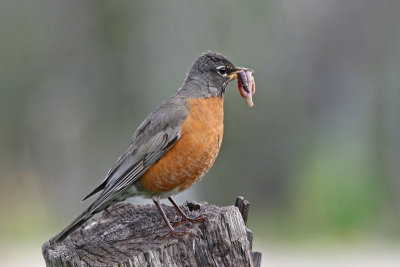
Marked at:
<point>318,156</point>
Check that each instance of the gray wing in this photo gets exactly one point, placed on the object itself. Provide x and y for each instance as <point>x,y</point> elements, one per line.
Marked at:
<point>154,137</point>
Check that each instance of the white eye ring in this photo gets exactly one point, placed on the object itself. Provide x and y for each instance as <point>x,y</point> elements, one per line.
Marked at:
<point>222,71</point>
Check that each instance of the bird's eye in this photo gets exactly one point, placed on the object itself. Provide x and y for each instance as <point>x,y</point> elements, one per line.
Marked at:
<point>221,70</point>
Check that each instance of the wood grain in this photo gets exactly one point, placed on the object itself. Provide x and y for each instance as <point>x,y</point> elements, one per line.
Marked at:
<point>126,235</point>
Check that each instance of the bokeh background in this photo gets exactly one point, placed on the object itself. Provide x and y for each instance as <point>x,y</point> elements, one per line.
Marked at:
<point>318,156</point>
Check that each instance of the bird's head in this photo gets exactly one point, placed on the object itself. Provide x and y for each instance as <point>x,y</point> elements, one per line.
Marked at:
<point>210,73</point>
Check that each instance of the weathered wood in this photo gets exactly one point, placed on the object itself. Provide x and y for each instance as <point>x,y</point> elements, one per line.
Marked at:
<point>256,257</point>
<point>126,235</point>
<point>243,205</point>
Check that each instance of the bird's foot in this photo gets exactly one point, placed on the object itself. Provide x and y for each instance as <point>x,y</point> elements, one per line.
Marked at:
<point>177,235</point>
<point>186,219</point>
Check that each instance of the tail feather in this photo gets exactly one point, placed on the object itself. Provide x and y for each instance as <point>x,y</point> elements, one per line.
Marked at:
<point>96,190</point>
<point>81,219</point>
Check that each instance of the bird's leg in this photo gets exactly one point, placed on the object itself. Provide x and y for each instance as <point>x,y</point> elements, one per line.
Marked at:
<point>185,218</point>
<point>172,231</point>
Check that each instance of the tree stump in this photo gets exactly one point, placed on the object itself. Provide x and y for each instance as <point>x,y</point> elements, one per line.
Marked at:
<point>126,235</point>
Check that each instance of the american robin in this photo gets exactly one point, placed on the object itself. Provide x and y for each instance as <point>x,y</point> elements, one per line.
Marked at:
<point>175,145</point>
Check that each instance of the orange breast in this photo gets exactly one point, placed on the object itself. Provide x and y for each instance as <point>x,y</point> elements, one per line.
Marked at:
<point>194,153</point>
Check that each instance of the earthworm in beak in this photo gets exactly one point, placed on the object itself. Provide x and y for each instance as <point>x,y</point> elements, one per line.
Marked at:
<point>246,85</point>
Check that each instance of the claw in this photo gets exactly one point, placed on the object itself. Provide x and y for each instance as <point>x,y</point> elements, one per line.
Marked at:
<point>186,219</point>
<point>177,235</point>
<point>172,231</point>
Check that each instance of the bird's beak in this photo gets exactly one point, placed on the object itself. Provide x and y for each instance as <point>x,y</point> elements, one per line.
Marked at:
<point>234,74</point>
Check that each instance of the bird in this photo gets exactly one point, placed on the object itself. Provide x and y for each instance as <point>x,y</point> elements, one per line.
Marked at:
<point>175,146</point>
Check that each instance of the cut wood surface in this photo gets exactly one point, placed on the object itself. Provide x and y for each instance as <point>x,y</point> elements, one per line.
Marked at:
<point>127,235</point>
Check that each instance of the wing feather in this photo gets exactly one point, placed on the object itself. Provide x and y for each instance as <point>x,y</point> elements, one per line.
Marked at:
<point>154,137</point>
